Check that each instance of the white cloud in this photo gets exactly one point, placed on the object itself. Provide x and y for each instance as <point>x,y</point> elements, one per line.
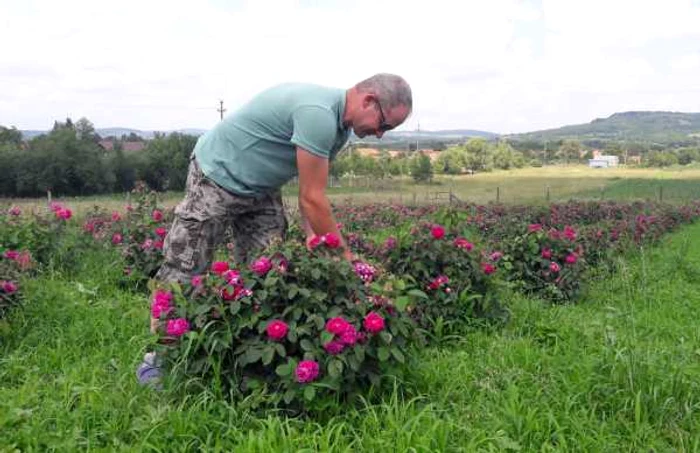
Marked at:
<point>503,65</point>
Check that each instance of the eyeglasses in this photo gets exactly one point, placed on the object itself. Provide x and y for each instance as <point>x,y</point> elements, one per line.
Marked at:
<point>383,125</point>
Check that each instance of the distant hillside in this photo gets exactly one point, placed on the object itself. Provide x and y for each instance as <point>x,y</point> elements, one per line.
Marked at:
<point>657,127</point>
<point>400,139</point>
<point>119,131</point>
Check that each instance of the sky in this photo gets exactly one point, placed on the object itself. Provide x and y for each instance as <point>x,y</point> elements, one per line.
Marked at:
<point>503,66</point>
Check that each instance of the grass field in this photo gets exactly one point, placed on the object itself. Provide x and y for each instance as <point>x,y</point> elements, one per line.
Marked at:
<point>618,372</point>
<point>526,186</point>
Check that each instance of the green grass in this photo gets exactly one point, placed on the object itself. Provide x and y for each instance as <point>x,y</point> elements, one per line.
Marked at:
<point>522,186</point>
<point>618,372</point>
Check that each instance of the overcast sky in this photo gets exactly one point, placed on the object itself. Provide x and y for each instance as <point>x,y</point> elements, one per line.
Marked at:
<point>495,65</point>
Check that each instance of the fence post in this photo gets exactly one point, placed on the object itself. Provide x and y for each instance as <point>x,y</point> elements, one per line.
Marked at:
<point>498,194</point>
<point>547,196</point>
<point>48,199</point>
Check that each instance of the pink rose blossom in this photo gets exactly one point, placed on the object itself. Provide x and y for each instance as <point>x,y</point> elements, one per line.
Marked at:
<point>337,326</point>
<point>158,245</point>
<point>160,231</point>
<point>438,282</point>
<point>569,233</point>
<point>463,244</point>
<point>177,327</point>
<point>349,337</point>
<point>276,330</point>
<point>534,227</point>
<point>365,271</point>
<point>117,238</point>
<point>438,232</point>
<point>546,253</point>
<point>11,254</point>
<point>306,371</point>
<point>488,268</point>
<point>261,266</point>
<point>390,243</point>
<point>157,215</point>
<point>334,347</point>
<point>554,267</point>
<point>160,303</point>
<point>116,217</point>
<point>232,276</point>
<point>15,211</point>
<point>219,267</point>
<point>147,244</point>
<point>495,256</point>
<point>331,240</point>
<point>9,287</point>
<point>571,258</point>
<point>197,280</point>
<point>64,214</point>
<point>373,323</point>
<point>314,242</point>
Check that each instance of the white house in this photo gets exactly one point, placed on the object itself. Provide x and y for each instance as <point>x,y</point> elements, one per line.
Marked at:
<point>603,162</point>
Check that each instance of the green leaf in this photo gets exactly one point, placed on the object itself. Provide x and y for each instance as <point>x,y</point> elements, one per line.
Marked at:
<point>306,345</point>
<point>385,336</point>
<point>235,307</point>
<point>402,302</point>
<point>289,396</point>
<point>335,368</point>
<point>280,350</point>
<point>268,354</point>
<point>315,273</point>
<point>383,354</point>
<point>284,370</point>
<point>360,353</point>
<point>309,393</point>
<point>252,355</point>
<point>326,337</point>
<point>293,291</point>
<point>398,354</point>
<point>418,293</point>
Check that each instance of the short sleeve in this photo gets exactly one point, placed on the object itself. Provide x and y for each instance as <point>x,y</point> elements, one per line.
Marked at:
<point>314,130</point>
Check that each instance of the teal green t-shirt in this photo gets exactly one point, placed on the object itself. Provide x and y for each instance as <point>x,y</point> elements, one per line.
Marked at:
<point>253,151</point>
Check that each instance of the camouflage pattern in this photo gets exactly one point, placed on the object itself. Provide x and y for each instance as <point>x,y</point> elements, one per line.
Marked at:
<point>202,218</point>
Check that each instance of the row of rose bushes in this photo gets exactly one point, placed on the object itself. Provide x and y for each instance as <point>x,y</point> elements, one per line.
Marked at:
<point>300,327</point>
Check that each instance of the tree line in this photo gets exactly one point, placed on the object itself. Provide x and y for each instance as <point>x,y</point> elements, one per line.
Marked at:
<point>69,161</point>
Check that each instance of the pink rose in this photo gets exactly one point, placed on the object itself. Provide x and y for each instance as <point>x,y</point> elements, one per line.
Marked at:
<point>334,347</point>
<point>373,323</point>
<point>331,240</point>
<point>197,280</point>
<point>261,266</point>
<point>11,254</point>
<point>160,304</point>
<point>177,327</point>
<point>438,232</point>
<point>117,238</point>
<point>116,217</point>
<point>488,268</point>
<point>337,326</point>
<point>554,267</point>
<point>277,329</point>
<point>306,371</point>
<point>160,231</point>
<point>546,253</point>
<point>571,258</point>
<point>534,227</point>
<point>15,211</point>
<point>219,267</point>
<point>314,242</point>
<point>9,287</point>
<point>463,244</point>
<point>157,215</point>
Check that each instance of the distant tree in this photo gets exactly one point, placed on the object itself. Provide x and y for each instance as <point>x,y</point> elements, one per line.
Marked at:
<point>85,130</point>
<point>570,150</point>
<point>421,168</point>
<point>10,136</point>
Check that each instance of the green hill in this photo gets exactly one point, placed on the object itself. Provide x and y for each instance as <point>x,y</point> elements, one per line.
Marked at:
<point>656,127</point>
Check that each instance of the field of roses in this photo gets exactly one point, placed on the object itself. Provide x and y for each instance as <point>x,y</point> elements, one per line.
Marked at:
<point>303,329</point>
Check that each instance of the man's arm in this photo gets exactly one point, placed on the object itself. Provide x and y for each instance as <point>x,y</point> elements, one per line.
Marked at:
<point>313,203</point>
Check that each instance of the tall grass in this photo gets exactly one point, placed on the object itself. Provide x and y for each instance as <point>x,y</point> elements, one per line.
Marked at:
<point>618,372</point>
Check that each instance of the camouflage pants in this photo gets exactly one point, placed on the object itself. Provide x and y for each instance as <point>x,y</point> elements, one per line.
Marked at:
<point>202,218</point>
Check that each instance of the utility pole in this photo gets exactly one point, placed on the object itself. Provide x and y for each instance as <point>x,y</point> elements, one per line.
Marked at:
<point>221,109</point>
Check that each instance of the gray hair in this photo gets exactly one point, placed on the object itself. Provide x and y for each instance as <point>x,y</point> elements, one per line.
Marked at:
<point>391,89</point>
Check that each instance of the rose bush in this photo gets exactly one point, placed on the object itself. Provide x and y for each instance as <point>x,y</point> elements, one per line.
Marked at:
<point>302,327</point>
